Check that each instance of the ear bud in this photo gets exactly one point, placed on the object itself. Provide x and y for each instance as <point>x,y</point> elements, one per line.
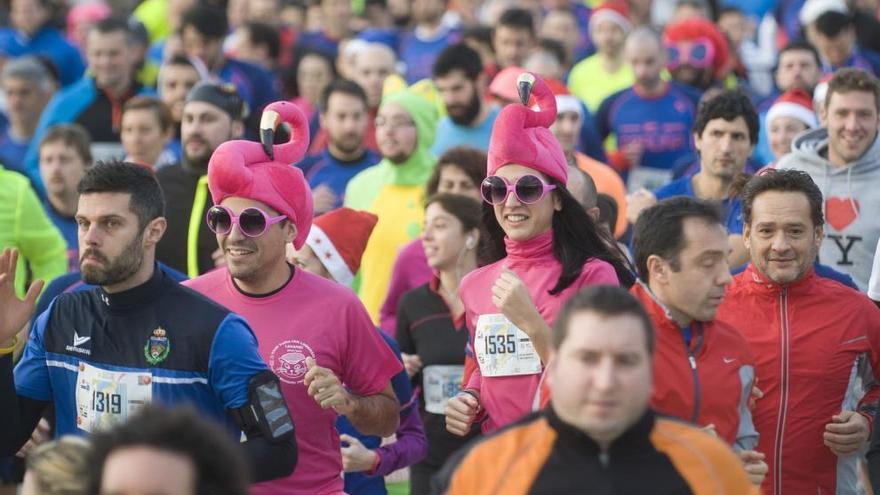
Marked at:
<point>470,242</point>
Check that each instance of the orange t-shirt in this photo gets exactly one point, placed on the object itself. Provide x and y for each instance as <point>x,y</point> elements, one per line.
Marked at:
<point>608,182</point>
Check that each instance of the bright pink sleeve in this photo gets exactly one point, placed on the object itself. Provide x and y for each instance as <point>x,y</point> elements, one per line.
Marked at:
<point>370,362</point>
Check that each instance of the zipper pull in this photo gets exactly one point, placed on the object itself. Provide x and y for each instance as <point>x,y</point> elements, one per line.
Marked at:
<point>693,362</point>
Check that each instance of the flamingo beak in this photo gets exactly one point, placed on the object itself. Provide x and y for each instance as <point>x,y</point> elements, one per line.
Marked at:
<point>524,84</point>
<point>268,123</point>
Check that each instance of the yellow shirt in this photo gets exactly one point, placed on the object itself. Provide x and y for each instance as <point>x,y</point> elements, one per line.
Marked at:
<point>590,82</point>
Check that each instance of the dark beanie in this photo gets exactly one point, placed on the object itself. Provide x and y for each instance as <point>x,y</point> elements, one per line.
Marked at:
<point>221,95</point>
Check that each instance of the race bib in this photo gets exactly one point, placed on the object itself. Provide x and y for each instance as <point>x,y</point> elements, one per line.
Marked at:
<point>440,383</point>
<point>649,178</point>
<point>502,349</point>
<point>105,398</point>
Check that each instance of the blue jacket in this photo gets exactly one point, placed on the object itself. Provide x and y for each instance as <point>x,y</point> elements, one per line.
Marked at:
<point>48,42</point>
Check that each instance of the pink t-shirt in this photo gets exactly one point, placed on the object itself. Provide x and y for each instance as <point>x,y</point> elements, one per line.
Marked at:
<point>310,317</point>
<point>507,398</point>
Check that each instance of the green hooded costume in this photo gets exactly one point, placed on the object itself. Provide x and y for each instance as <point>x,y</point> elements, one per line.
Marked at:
<point>395,193</point>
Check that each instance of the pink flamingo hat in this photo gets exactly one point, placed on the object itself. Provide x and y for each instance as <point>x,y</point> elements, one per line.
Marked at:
<point>522,136</point>
<point>264,171</point>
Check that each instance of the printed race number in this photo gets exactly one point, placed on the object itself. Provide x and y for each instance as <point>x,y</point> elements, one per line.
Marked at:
<point>105,398</point>
<point>502,349</point>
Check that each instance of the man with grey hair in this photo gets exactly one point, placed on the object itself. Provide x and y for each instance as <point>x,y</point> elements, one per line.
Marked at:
<point>27,87</point>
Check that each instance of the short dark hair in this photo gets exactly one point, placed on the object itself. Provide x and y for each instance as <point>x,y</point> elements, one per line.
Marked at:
<point>113,25</point>
<point>209,21</point>
<point>728,105</point>
<point>659,231</point>
<point>72,135</point>
<point>555,48</point>
<point>458,57</point>
<point>147,201</point>
<point>831,23</point>
<point>608,211</point>
<point>850,79</point>
<point>344,86</point>
<point>480,33</point>
<point>800,46</point>
<point>219,465</point>
<point>606,300</point>
<point>783,181</point>
<point>471,161</point>
<point>467,210</point>
<point>261,33</point>
<point>516,18</point>
<point>143,102</point>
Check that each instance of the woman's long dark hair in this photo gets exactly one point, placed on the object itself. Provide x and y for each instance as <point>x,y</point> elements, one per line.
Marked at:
<point>576,240</point>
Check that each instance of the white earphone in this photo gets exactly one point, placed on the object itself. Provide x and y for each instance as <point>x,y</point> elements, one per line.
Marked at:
<point>470,242</point>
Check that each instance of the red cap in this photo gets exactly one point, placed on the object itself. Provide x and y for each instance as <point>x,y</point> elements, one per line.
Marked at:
<point>614,11</point>
<point>339,238</point>
<point>794,103</point>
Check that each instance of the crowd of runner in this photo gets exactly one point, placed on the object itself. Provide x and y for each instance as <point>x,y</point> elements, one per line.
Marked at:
<point>439,246</point>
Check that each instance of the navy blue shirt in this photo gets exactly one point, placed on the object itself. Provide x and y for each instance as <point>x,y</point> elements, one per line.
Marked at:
<point>324,169</point>
<point>730,207</point>
<point>184,347</point>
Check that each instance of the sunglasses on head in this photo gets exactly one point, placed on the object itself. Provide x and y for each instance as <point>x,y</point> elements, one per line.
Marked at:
<point>253,222</point>
<point>528,189</point>
<point>699,53</point>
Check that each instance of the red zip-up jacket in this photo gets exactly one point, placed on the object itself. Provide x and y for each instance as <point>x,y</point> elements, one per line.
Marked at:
<point>811,340</point>
<point>708,382</point>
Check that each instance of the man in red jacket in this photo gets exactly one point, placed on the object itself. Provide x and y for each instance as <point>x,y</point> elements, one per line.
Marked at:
<point>703,370</point>
<point>812,339</point>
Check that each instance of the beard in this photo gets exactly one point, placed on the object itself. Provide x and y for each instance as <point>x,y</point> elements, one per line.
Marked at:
<point>468,113</point>
<point>117,270</point>
<point>348,146</point>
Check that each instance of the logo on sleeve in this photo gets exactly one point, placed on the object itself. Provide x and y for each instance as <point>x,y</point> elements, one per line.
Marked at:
<point>288,361</point>
<point>157,347</point>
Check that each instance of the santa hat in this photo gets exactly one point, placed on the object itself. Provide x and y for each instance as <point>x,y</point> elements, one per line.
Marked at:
<point>265,172</point>
<point>522,135</point>
<point>794,103</point>
<point>692,28</point>
<point>565,101</point>
<point>813,9</point>
<point>614,11</point>
<point>339,238</point>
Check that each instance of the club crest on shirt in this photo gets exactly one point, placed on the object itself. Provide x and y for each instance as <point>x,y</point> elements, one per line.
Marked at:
<point>288,361</point>
<point>157,347</point>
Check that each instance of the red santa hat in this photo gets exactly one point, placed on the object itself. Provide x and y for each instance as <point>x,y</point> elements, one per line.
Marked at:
<point>339,238</point>
<point>522,135</point>
<point>265,172</point>
<point>565,101</point>
<point>693,28</point>
<point>614,11</point>
<point>794,103</point>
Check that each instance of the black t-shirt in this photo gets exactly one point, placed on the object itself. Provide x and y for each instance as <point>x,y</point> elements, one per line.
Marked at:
<point>425,327</point>
<point>179,187</point>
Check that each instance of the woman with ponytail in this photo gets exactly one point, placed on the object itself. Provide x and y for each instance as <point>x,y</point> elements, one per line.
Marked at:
<point>543,248</point>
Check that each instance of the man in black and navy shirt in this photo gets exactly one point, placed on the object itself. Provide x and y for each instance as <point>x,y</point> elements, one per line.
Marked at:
<point>140,338</point>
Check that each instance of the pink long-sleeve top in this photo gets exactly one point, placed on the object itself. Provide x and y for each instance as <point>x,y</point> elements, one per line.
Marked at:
<point>507,398</point>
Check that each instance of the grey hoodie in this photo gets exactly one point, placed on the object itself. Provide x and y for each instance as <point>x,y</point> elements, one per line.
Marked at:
<point>852,203</point>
